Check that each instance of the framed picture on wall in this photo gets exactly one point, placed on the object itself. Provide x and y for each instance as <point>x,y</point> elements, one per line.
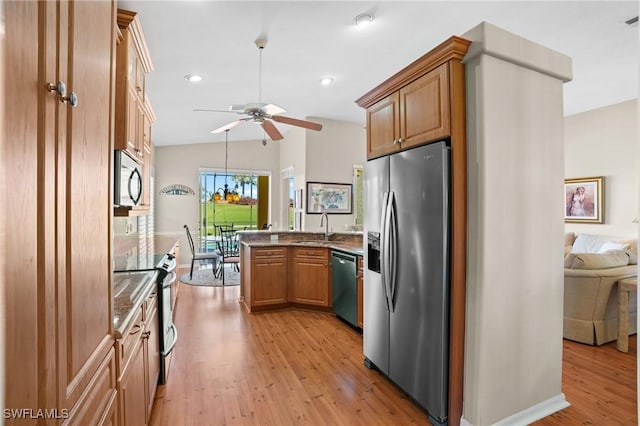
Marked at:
<point>584,200</point>
<point>330,198</point>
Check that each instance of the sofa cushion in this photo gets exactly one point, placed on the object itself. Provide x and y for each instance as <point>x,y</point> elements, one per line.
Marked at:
<point>610,259</point>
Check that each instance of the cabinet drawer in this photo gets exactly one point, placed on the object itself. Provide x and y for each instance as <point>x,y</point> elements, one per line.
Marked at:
<point>150,303</point>
<point>130,340</point>
<point>264,253</point>
<point>320,253</point>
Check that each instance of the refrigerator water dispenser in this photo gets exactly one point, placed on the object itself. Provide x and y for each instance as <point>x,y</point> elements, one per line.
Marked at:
<point>373,251</point>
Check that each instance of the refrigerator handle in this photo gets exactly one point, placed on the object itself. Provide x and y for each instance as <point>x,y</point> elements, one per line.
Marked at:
<point>393,246</point>
<point>384,243</point>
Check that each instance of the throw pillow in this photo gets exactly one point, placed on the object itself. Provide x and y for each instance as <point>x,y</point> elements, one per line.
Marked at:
<point>586,243</point>
<point>613,245</point>
<point>611,259</point>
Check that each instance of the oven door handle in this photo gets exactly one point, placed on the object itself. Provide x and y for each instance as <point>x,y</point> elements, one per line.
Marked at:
<point>167,351</point>
<point>169,280</point>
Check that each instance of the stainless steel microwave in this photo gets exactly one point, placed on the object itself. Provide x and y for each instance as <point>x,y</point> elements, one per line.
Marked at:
<point>127,180</point>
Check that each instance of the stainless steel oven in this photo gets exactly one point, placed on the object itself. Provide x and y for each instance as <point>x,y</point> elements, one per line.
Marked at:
<point>168,331</point>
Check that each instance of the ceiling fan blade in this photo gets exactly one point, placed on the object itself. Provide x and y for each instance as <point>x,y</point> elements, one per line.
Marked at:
<point>227,126</point>
<point>271,130</point>
<point>296,122</point>
<point>218,110</point>
<point>272,109</point>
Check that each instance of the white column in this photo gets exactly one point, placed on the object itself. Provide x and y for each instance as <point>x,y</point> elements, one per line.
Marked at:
<point>513,348</point>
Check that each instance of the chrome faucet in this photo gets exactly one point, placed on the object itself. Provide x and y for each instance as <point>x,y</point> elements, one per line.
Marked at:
<point>325,223</point>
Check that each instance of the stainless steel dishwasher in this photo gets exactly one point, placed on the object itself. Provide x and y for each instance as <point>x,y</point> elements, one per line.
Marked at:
<point>345,292</point>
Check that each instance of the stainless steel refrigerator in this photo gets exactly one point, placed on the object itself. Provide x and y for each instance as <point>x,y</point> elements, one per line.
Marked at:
<point>406,274</point>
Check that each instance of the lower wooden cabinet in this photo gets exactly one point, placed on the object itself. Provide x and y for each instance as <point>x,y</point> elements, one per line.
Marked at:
<point>131,388</point>
<point>138,366</point>
<point>310,284</point>
<point>267,277</point>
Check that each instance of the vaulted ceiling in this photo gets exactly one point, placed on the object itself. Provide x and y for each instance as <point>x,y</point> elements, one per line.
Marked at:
<point>308,40</point>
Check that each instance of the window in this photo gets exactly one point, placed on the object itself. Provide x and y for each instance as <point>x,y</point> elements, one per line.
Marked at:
<point>241,211</point>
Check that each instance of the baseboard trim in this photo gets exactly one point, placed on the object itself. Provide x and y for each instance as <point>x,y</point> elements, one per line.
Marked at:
<point>531,414</point>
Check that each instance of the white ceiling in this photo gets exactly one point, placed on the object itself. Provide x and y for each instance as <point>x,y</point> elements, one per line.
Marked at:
<point>308,40</point>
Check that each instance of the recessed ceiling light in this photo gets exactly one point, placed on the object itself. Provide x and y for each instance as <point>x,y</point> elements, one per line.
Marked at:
<point>193,78</point>
<point>325,81</point>
<point>362,20</point>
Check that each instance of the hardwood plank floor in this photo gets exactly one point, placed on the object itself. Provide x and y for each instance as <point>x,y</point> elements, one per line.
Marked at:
<point>293,367</point>
<point>600,383</point>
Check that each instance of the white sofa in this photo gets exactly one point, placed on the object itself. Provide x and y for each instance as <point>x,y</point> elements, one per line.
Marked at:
<point>593,267</point>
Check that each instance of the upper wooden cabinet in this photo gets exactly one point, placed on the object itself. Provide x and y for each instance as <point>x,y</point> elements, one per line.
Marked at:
<point>414,106</point>
<point>133,62</point>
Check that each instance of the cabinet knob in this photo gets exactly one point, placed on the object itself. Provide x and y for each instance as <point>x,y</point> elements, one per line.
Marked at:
<point>61,89</point>
<point>401,140</point>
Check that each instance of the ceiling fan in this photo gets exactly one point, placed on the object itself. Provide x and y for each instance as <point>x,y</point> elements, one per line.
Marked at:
<point>261,113</point>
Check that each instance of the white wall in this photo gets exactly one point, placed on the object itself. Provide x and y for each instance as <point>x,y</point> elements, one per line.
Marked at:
<point>605,142</point>
<point>513,342</point>
<point>292,154</point>
<point>330,156</point>
<point>181,163</point>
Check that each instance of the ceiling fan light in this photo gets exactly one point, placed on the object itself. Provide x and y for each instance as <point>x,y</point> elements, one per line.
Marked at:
<point>325,81</point>
<point>362,20</point>
<point>193,78</point>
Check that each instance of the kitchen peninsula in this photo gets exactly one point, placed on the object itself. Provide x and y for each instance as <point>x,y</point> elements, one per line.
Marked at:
<point>284,269</point>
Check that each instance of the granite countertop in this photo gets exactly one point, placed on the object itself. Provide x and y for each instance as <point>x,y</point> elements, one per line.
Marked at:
<point>130,289</point>
<point>138,253</point>
<point>348,242</point>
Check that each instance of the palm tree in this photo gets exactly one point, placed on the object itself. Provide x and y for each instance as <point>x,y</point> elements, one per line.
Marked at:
<point>243,180</point>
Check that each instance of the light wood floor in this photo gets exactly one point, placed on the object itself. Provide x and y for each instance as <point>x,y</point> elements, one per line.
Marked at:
<point>302,367</point>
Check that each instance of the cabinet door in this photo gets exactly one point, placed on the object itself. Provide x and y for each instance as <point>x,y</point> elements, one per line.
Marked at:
<point>424,108</point>
<point>132,390</point>
<point>84,208</point>
<point>383,127</point>
<point>132,124</point>
<point>310,277</point>
<point>152,356</point>
<point>269,281</point>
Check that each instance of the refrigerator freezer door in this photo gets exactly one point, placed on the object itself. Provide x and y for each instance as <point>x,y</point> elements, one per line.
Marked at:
<point>375,329</point>
<point>419,324</point>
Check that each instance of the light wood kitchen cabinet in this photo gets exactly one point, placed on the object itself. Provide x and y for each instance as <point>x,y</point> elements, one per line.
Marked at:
<point>266,278</point>
<point>133,63</point>
<point>131,369</point>
<point>133,115</point>
<point>360,290</point>
<point>310,284</point>
<point>416,114</point>
<point>58,318</point>
<point>138,365</point>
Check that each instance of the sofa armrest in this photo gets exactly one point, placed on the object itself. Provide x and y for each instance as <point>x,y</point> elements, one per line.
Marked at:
<point>621,271</point>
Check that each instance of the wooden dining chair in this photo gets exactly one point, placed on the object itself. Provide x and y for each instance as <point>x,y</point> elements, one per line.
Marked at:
<point>198,255</point>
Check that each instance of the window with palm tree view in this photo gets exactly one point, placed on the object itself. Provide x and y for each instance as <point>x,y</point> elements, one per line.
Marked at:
<point>227,199</point>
